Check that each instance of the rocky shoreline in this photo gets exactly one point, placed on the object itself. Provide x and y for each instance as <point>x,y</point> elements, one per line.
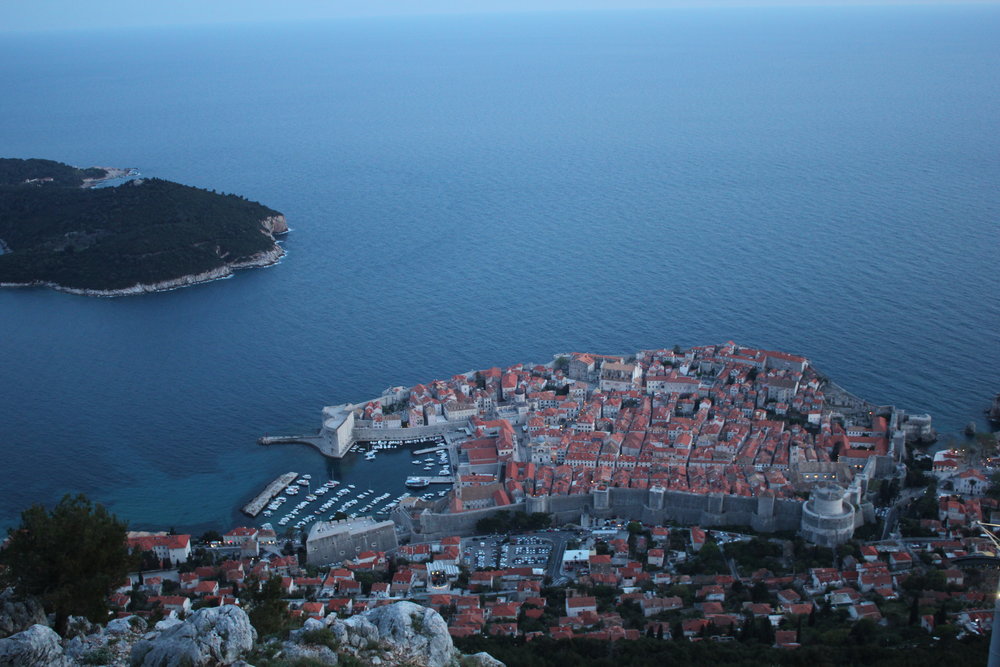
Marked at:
<point>275,226</point>
<point>110,174</point>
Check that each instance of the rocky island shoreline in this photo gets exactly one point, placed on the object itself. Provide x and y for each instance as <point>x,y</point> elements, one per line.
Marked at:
<point>259,260</point>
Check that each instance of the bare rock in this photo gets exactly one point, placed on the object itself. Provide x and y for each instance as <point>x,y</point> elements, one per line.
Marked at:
<point>394,634</point>
<point>126,625</point>
<point>323,655</point>
<point>481,659</point>
<point>276,224</point>
<point>210,636</point>
<point>167,622</point>
<point>79,626</point>
<point>17,614</point>
<point>417,631</point>
<point>38,645</point>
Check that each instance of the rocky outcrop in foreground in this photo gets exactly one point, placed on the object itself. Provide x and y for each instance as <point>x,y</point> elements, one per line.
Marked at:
<point>17,614</point>
<point>397,634</point>
<point>400,633</point>
<point>210,636</point>
<point>38,645</point>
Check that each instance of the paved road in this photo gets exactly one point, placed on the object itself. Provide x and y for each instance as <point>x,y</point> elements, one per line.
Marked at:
<point>906,497</point>
<point>558,541</point>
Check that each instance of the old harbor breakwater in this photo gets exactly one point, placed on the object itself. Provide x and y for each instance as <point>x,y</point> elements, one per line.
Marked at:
<point>713,435</point>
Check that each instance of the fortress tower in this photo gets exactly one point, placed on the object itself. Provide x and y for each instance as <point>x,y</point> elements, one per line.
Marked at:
<point>827,517</point>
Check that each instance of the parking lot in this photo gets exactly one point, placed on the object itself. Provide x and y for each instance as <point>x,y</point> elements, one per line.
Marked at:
<point>528,551</point>
<point>499,552</point>
<point>482,552</point>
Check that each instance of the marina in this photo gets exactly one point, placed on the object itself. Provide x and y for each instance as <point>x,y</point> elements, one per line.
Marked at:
<point>345,503</point>
<point>371,479</point>
<point>254,507</point>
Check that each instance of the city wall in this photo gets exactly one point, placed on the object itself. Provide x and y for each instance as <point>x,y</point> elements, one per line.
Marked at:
<point>409,433</point>
<point>764,513</point>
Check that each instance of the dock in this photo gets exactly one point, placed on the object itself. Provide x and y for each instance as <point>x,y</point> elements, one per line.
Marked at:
<point>429,450</point>
<point>440,480</point>
<point>254,507</point>
<point>289,440</point>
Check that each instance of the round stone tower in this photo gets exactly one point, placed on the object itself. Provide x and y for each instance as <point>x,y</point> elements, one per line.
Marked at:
<point>827,518</point>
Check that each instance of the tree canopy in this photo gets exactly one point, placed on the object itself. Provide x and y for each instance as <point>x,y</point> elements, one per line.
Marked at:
<point>71,558</point>
<point>47,173</point>
<point>144,231</point>
<point>505,521</point>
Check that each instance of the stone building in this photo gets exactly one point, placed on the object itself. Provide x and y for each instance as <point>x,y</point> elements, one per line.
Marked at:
<point>828,516</point>
<point>335,541</point>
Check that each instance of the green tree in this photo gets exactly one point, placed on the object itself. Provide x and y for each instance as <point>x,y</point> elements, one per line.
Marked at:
<point>210,536</point>
<point>268,612</point>
<point>71,558</point>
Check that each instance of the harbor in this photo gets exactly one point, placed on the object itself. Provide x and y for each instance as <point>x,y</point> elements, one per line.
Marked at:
<point>254,507</point>
<point>372,479</point>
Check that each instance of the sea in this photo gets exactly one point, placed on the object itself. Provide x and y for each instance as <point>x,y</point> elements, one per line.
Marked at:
<point>476,191</point>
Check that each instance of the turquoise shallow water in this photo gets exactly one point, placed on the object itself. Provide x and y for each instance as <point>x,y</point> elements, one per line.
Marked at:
<point>469,192</point>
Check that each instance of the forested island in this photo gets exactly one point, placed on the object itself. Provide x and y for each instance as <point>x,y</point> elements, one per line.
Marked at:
<point>144,235</point>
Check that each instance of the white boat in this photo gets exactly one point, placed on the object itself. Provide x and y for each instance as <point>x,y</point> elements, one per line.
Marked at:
<point>307,476</point>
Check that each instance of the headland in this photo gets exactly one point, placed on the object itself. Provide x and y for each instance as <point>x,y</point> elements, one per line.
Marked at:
<point>714,435</point>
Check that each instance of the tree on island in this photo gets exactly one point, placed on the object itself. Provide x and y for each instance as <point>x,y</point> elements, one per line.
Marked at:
<point>71,558</point>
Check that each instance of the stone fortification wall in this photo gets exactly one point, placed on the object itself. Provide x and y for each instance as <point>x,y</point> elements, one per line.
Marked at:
<point>362,433</point>
<point>435,526</point>
<point>764,514</point>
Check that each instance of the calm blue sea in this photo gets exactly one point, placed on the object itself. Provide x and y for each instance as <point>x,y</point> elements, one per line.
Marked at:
<point>476,191</point>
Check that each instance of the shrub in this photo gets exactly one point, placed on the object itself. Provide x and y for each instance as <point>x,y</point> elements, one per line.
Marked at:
<point>321,637</point>
<point>99,656</point>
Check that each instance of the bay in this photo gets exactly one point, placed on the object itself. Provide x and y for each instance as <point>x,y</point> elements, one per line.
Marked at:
<point>475,191</point>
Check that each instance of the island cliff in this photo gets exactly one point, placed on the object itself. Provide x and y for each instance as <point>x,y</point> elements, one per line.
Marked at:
<point>145,235</point>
